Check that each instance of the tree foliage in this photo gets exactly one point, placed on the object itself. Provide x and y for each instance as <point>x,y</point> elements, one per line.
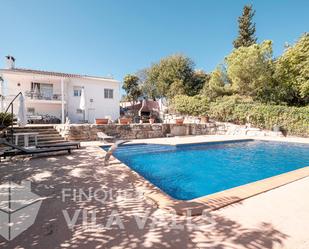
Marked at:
<point>246,33</point>
<point>173,75</point>
<point>131,86</point>
<point>201,79</point>
<point>250,71</point>
<point>292,72</point>
<point>190,105</point>
<point>148,89</point>
<point>218,84</point>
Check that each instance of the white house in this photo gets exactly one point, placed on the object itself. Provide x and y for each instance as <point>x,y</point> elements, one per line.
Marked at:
<point>58,94</point>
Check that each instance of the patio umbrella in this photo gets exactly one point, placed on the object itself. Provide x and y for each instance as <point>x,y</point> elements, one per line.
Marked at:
<point>21,116</point>
<point>82,103</point>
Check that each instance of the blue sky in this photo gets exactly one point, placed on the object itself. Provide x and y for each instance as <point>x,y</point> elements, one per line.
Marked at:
<point>116,37</point>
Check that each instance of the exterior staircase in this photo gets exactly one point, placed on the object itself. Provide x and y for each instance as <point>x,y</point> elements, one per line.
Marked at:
<point>48,135</point>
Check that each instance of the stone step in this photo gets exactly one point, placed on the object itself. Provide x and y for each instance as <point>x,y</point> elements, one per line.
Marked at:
<point>41,132</point>
<point>36,126</point>
<point>41,138</point>
<point>31,143</point>
<point>47,135</point>
<point>54,134</point>
<point>33,130</point>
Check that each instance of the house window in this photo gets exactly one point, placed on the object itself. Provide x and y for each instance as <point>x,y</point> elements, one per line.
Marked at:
<point>42,90</point>
<point>108,93</point>
<point>79,111</point>
<point>77,91</point>
<point>31,110</point>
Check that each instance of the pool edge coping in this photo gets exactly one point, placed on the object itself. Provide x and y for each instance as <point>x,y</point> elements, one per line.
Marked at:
<point>226,197</point>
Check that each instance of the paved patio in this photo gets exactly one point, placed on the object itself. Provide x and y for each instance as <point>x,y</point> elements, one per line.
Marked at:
<point>276,219</point>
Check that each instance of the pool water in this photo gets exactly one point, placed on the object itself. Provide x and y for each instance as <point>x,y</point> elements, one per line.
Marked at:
<point>190,171</point>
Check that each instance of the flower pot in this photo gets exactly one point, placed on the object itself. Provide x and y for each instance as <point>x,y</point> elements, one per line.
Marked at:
<point>204,119</point>
<point>101,121</point>
<point>151,120</point>
<point>179,121</point>
<point>124,121</point>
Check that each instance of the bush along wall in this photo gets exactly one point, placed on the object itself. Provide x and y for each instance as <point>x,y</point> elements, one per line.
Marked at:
<point>293,120</point>
<point>241,110</point>
<point>5,120</point>
<point>190,105</point>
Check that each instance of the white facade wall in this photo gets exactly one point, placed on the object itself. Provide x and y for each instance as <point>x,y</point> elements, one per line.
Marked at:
<point>99,107</point>
<point>17,82</point>
<point>96,105</point>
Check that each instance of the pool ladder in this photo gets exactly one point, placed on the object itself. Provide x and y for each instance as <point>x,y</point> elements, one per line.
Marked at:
<point>112,149</point>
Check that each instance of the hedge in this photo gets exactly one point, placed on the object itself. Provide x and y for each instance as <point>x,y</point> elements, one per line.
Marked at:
<point>294,120</point>
<point>187,105</point>
<point>241,110</point>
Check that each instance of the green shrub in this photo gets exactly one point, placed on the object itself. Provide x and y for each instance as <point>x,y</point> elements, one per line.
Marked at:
<point>223,109</point>
<point>241,110</point>
<point>294,120</point>
<point>5,119</point>
<point>187,105</point>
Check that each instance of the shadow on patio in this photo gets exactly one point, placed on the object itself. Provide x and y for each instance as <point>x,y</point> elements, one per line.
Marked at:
<point>83,170</point>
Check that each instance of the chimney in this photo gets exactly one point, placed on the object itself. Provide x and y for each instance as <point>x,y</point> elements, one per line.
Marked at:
<point>10,62</point>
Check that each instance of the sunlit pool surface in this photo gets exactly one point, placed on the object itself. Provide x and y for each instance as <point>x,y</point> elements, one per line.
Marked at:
<point>190,171</point>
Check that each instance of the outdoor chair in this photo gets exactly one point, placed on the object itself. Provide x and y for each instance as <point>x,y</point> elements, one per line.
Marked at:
<point>102,136</point>
<point>64,144</point>
<point>17,150</point>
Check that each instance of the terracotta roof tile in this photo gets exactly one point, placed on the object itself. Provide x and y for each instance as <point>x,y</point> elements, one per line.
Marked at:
<point>49,73</point>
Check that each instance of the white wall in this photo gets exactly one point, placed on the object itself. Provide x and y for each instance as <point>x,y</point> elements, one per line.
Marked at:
<point>94,89</point>
<point>44,108</point>
<point>17,82</point>
<point>24,80</point>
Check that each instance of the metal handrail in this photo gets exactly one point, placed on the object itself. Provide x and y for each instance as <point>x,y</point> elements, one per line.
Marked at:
<point>12,113</point>
<point>41,96</point>
<point>112,149</point>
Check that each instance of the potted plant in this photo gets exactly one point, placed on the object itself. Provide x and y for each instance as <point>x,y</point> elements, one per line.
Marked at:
<point>179,121</point>
<point>205,119</point>
<point>101,121</point>
<point>124,121</point>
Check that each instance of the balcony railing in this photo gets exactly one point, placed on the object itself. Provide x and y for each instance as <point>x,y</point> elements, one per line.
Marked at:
<point>42,96</point>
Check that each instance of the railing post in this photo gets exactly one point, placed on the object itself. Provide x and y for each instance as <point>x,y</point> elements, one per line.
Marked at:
<point>62,101</point>
<point>12,116</point>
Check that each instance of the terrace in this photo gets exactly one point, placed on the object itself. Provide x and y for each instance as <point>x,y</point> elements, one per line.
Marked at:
<point>256,222</point>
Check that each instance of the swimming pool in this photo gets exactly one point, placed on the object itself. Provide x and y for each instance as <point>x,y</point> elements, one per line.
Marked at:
<point>190,171</point>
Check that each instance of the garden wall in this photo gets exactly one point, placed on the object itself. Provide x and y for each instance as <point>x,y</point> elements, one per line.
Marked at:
<point>88,132</point>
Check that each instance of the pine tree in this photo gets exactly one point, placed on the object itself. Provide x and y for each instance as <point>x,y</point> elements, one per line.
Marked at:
<point>246,36</point>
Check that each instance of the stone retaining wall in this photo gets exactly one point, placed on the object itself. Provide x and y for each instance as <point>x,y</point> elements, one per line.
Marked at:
<point>88,132</point>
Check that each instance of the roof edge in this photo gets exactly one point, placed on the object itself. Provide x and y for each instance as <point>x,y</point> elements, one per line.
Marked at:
<point>56,74</point>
